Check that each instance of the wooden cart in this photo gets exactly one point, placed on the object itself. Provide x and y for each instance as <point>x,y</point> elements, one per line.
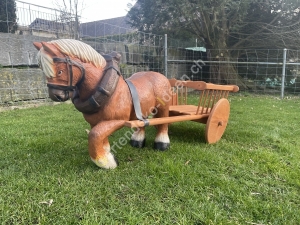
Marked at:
<point>213,107</point>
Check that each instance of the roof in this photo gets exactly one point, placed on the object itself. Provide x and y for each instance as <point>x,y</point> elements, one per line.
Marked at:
<point>48,25</point>
<point>106,27</point>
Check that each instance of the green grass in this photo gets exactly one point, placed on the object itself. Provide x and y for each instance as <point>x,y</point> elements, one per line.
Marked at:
<point>251,176</point>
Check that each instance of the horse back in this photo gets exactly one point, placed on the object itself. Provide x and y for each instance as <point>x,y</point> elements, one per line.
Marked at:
<point>154,91</point>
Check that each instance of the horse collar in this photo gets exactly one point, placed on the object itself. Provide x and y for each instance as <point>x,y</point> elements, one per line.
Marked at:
<point>104,90</point>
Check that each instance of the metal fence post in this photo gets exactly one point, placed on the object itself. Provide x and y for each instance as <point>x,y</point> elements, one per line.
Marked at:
<point>166,55</point>
<point>283,73</point>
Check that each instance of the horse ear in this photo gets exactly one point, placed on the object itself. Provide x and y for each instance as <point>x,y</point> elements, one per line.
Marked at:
<point>37,45</point>
<point>50,48</point>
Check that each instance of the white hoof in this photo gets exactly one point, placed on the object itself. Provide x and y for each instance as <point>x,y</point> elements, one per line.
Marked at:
<point>138,135</point>
<point>106,162</point>
<point>164,138</point>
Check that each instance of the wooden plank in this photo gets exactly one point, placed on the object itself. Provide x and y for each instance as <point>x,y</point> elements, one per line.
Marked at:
<point>188,109</point>
<point>201,85</point>
<point>180,108</point>
<point>164,120</point>
<point>197,85</point>
<point>183,109</point>
<point>232,88</point>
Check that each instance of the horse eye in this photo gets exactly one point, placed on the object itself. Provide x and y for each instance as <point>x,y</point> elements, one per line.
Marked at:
<point>59,72</point>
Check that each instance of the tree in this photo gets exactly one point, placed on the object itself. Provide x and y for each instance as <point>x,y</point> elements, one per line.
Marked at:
<point>70,14</point>
<point>8,16</point>
<point>223,25</point>
<point>269,24</point>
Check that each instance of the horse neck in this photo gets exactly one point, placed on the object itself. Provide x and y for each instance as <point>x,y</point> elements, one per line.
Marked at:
<point>92,78</point>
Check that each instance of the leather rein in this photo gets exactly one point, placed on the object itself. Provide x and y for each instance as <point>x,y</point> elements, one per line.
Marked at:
<point>69,63</point>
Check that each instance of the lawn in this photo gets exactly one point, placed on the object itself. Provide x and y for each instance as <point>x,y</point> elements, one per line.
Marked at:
<point>251,176</point>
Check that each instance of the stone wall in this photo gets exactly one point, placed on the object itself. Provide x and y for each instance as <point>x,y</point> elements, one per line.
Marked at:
<point>22,84</point>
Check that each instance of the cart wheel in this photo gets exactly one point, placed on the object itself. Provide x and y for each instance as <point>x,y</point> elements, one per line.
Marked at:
<point>217,121</point>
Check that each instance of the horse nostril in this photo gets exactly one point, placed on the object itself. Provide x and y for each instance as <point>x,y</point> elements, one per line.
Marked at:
<point>58,95</point>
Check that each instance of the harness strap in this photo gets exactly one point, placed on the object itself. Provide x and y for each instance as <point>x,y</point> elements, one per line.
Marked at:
<point>69,63</point>
<point>59,87</point>
<point>136,103</point>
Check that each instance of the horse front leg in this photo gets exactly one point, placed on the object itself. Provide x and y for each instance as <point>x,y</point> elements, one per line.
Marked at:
<point>99,148</point>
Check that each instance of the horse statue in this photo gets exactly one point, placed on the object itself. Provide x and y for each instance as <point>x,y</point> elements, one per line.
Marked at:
<point>74,70</point>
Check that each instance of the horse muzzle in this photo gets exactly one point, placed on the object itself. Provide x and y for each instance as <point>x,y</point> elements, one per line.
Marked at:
<point>59,95</point>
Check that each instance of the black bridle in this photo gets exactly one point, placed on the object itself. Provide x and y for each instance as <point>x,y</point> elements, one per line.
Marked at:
<point>69,63</point>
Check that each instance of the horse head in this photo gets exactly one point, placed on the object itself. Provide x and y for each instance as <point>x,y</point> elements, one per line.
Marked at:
<point>62,61</point>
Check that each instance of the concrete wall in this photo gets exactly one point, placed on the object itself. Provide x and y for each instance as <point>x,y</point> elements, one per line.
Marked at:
<point>18,49</point>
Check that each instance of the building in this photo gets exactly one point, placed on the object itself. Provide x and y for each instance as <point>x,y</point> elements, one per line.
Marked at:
<point>49,29</point>
<point>108,27</point>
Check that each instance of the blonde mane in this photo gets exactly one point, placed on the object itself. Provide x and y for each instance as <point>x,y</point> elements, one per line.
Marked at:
<point>72,48</point>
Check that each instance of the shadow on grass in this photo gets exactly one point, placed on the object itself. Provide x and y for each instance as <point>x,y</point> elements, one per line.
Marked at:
<point>188,132</point>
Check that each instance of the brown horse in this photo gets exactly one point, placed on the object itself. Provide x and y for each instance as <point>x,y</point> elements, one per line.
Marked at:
<point>93,82</point>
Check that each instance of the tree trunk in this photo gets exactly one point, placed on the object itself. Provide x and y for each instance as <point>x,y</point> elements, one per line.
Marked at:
<point>222,70</point>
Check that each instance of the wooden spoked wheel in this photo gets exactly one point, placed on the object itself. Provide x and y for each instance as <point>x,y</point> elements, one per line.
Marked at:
<point>217,121</point>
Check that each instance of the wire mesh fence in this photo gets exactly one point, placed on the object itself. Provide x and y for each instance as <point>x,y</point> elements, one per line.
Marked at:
<point>263,71</point>
<point>139,51</point>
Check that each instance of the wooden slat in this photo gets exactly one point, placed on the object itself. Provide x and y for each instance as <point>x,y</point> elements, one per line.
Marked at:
<point>206,95</point>
<point>164,120</point>
<point>200,100</point>
<point>174,98</point>
<point>211,93</point>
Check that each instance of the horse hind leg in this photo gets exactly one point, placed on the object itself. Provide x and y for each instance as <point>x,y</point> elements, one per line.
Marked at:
<point>162,141</point>
<point>138,139</point>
